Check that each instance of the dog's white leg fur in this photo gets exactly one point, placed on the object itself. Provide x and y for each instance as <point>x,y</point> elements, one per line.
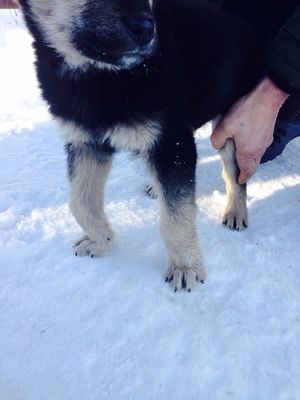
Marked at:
<point>236,213</point>
<point>179,231</point>
<point>87,205</point>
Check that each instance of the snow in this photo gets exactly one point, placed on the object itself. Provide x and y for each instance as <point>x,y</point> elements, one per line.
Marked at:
<point>110,328</point>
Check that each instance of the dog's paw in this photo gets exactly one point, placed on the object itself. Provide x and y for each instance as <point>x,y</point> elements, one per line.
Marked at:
<point>150,192</point>
<point>87,247</point>
<point>182,277</point>
<point>236,219</point>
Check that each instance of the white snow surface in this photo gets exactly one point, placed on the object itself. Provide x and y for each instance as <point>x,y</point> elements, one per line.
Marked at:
<point>110,328</point>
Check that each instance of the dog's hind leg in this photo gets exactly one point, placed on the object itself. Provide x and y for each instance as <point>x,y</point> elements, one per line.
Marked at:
<point>88,167</point>
<point>173,164</point>
<point>236,213</point>
<point>151,191</point>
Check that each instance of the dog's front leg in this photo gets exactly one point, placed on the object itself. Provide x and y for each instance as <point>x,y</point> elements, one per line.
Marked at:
<point>173,163</point>
<point>236,213</point>
<point>88,167</point>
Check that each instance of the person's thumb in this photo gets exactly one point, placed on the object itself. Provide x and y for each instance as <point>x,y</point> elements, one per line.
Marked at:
<point>219,137</point>
<point>248,165</point>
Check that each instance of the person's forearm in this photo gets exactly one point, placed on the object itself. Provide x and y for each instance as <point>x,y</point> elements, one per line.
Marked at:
<point>282,59</point>
<point>272,93</point>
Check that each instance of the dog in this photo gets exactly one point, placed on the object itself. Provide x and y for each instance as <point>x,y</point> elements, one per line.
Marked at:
<point>142,76</point>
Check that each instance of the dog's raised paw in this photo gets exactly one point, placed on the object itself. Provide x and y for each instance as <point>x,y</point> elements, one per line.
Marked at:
<point>185,277</point>
<point>87,247</point>
<point>150,192</point>
<point>236,220</point>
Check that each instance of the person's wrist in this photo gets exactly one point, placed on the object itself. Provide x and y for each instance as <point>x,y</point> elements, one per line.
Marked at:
<point>272,93</point>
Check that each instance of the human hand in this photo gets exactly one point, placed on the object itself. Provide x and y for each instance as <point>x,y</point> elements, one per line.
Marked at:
<point>250,122</point>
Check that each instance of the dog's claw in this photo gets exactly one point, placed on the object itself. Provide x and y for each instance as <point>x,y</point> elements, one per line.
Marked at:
<point>185,277</point>
<point>87,247</point>
<point>150,192</point>
<point>234,223</point>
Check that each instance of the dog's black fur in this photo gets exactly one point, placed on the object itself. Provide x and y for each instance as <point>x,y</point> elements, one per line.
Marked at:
<point>204,60</point>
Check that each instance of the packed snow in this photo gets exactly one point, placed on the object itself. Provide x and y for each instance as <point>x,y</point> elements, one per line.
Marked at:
<point>109,328</point>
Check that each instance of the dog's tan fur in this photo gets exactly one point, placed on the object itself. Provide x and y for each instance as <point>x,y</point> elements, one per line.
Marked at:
<point>87,205</point>
<point>236,214</point>
<point>179,231</point>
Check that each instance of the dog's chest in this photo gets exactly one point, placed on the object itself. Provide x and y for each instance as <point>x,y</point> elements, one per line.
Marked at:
<point>139,137</point>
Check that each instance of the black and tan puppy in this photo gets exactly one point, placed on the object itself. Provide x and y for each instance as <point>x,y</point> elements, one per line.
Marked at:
<point>142,76</point>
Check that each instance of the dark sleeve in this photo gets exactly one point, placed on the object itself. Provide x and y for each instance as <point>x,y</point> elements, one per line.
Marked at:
<point>282,59</point>
<point>219,2</point>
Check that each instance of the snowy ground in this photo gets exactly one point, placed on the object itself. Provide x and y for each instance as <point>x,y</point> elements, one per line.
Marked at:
<point>109,328</point>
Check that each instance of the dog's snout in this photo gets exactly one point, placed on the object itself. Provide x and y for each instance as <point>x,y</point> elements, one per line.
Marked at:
<point>141,29</point>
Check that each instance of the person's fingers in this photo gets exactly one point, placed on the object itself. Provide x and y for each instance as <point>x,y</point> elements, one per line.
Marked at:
<point>245,176</point>
<point>219,137</point>
<point>248,165</point>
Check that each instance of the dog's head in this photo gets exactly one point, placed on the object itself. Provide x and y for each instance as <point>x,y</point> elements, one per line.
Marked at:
<point>114,34</point>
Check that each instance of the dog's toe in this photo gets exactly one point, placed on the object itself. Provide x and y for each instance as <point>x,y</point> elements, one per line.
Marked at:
<point>150,192</point>
<point>88,247</point>
<point>236,220</point>
<point>182,277</point>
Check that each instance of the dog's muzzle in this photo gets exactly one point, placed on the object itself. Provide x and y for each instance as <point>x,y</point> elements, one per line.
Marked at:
<point>136,43</point>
